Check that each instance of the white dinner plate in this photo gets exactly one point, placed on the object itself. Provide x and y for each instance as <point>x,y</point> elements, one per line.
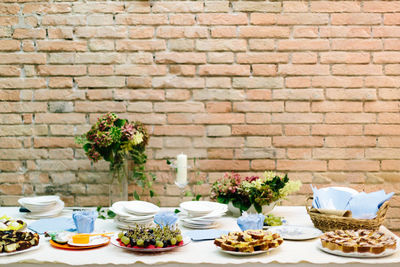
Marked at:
<point>238,253</point>
<point>197,226</point>
<point>186,240</point>
<point>19,251</point>
<point>41,200</point>
<point>140,208</point>
<point>57,209</point>
<point>118,208</point>
<point>93,241</point>
<point>201,208</point>
<point>385,253</point>
<point>296,232</point>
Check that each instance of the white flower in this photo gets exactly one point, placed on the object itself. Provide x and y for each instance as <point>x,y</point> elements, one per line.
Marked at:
<point>137,138</point>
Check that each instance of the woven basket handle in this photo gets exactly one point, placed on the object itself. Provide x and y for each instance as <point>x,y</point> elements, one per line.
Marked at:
<point>307,202</point>
<point>383,209</point>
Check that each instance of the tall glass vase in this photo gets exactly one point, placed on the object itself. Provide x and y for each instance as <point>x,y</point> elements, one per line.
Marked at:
<point>119,182</point>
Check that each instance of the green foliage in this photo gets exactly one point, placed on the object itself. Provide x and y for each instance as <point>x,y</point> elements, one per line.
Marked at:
<point>104,213</point>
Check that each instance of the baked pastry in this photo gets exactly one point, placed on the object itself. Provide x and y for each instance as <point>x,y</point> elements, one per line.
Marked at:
<point>6,223</point>
<point>249,241</point>
<point>361,241</point>
<point>11,241</point>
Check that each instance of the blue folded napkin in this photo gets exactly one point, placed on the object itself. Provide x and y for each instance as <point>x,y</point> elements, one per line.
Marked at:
<point>366,205</point>
<point>52,225</point>
<point>334,198</point>
<point>84,220</point>
<point>251,221</point>
<point>199,235</point>
<point>165,218</point>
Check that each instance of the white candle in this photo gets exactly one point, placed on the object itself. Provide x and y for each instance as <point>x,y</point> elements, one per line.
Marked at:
<point>181,165</point>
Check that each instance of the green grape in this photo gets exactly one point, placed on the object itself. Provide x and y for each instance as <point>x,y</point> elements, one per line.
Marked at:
<point>120,234</point>
<point>173,241</point>
<point>272,220</point>
<point>125,240</point>
<point>140,242</point>
<point>159,244</point>
<point>178,238</point>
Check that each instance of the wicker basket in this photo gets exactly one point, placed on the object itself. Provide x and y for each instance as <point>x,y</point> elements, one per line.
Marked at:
<point>326,222</point>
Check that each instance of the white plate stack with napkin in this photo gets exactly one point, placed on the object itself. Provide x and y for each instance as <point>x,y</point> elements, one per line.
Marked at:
<point>42,207</point>
<point>202,214</point>
<point>131,213</point>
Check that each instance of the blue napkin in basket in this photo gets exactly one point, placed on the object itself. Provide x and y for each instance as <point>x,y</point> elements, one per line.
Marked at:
<point>52,225</point>
<point>366,205</point>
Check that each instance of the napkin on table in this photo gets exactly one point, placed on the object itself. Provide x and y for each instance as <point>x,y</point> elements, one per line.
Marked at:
<point>52,225</point>
<point>211,234</point>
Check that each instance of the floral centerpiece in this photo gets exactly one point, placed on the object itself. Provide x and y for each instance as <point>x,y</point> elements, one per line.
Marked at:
<point>118,141</point>
<point>253,191</point>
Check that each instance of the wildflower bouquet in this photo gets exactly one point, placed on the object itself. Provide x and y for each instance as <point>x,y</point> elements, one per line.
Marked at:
<point>253,190</point>
<point>116,140</point>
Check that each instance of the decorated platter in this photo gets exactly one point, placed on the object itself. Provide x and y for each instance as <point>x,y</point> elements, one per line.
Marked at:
<point>151,249</point>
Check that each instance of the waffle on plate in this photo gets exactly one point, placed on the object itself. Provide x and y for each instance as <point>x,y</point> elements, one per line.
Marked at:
<point>249,241</point>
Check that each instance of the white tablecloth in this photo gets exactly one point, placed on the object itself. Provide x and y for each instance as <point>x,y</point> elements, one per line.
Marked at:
<point>303,253</point>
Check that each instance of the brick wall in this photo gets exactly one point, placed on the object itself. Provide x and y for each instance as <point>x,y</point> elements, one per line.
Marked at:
<point>305,87</point>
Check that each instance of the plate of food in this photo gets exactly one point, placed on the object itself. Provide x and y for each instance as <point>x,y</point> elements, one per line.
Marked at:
<point>150,239</point>
<point>18,242</point>
<point>358,243</point>
<point>7,223</point>
<point>296,232</point>
<point>249,242</point>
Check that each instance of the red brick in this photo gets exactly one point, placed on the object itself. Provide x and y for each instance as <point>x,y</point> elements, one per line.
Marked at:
<point>256,130</point>
<point>69,46</point>
<point>340,6</point>
<point>301,165</point>
<point>263,32</point>
<point>304,19</point>
<point>262,18</point>
<point>353,165</point>
<point>303,45</point>
<point>355,19</point>
<point>222,19</point>
<point>347,31</point>
<point>297,141</point>
<point>223,165</point>
<point>224,70</point>
<point>190,130</point>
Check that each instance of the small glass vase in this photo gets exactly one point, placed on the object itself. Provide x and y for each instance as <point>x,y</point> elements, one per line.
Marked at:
<point>118,188</point>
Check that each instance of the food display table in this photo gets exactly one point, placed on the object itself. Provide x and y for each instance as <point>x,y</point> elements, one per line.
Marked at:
<point>204,253</point>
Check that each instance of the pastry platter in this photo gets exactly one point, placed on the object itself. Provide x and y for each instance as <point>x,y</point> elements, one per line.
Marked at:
<point>385,253</point>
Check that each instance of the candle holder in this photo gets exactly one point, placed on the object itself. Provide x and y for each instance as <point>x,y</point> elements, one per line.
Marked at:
<point>178,184</point>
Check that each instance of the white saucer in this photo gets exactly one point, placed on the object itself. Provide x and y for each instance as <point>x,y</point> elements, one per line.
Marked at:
<point>94,241</point>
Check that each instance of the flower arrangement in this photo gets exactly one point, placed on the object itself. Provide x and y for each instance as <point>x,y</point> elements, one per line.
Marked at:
<point>253,190</point>
<point>117,140</point>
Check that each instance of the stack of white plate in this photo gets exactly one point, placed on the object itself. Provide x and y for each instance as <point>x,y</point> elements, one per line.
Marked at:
<point>131,213</point>
<point>42,207</point>
<point>202,214</point>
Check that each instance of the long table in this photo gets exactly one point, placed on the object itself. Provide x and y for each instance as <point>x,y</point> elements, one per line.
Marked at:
<point>204,253</point>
